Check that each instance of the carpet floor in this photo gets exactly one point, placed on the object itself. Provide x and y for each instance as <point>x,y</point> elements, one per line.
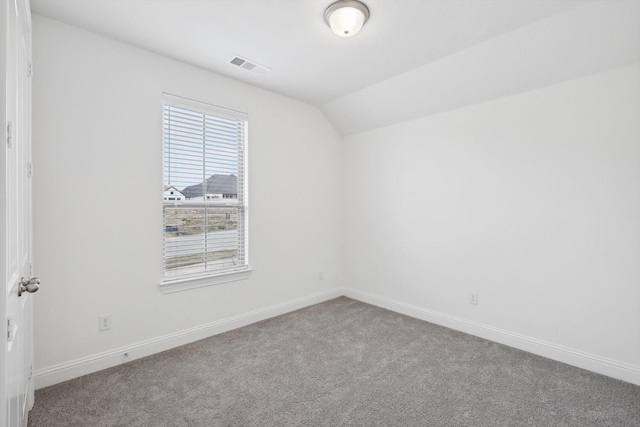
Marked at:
<point>340,363</point>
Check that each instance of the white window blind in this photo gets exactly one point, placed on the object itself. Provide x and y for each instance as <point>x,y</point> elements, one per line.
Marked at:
<point>205,197</point>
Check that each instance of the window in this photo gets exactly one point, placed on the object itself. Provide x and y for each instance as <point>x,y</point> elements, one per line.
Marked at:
<point>204,154</point>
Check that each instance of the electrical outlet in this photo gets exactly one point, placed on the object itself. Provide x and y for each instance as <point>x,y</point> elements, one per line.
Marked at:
<point>320,275</point>
<point>104,322</point>
<point>473,298</point>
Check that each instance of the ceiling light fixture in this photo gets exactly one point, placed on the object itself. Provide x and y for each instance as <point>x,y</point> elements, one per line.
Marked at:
<point>346,17</point>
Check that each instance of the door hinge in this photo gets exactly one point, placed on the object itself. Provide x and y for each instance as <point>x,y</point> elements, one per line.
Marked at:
<point>10,134</point>
<point>29,174</point>
<point>30,270</point>
<point>30,372</point>
<point>30,70</point>
<point>11,330</point>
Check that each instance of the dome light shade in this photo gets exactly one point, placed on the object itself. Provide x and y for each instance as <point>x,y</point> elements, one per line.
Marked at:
<point>346,17</point>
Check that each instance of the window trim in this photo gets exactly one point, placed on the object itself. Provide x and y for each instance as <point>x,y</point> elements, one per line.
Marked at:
<point>183,284</point>
<point>209,278</point>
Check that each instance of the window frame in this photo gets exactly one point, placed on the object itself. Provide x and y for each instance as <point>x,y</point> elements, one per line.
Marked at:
<point>179,282</point>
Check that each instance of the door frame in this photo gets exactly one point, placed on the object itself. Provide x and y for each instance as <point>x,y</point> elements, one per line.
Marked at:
<point>4,10</point>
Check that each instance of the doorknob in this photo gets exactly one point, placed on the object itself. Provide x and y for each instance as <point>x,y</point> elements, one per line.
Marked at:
<point>32,285</point>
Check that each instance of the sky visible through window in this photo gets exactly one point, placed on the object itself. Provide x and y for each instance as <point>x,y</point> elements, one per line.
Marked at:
<point>198,146</point>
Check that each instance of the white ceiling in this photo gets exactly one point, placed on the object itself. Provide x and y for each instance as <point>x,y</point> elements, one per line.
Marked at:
<point>309,63</point>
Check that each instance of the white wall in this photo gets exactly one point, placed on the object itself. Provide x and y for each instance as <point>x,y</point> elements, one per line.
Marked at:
<point>533,201</point>
<point>97,131</point>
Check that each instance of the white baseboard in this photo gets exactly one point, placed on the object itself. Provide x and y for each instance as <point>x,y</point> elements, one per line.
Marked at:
<point>94,363</point>
<point>591,362</point>
<point>97,362</point>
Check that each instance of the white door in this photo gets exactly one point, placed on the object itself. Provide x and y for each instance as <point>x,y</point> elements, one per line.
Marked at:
<point>16,359</point>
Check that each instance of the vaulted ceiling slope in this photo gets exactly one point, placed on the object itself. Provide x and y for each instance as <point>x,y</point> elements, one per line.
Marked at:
<point>413,58</point>
<point>582,41</point>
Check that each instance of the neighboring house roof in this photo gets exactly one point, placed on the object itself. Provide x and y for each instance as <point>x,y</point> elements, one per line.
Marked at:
<point>215,184</point>
<point>169,187</point>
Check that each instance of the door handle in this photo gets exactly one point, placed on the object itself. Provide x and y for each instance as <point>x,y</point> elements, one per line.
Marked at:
<point>32,285</point>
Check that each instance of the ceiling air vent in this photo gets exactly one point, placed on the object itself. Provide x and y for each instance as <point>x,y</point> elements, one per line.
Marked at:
<point>251,66</point>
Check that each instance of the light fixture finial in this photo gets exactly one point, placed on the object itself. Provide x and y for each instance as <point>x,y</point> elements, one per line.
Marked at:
<point>346,17</point>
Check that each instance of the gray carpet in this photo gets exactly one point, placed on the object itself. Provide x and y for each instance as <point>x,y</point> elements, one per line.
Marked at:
<point>340,363</point>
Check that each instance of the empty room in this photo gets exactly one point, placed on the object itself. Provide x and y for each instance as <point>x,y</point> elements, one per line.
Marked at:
<point>320,213</point>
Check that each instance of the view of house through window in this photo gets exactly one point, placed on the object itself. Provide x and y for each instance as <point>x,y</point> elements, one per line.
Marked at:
<point>204,199</point>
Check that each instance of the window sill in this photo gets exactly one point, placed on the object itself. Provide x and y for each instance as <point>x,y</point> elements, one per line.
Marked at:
<point>177,285</point>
